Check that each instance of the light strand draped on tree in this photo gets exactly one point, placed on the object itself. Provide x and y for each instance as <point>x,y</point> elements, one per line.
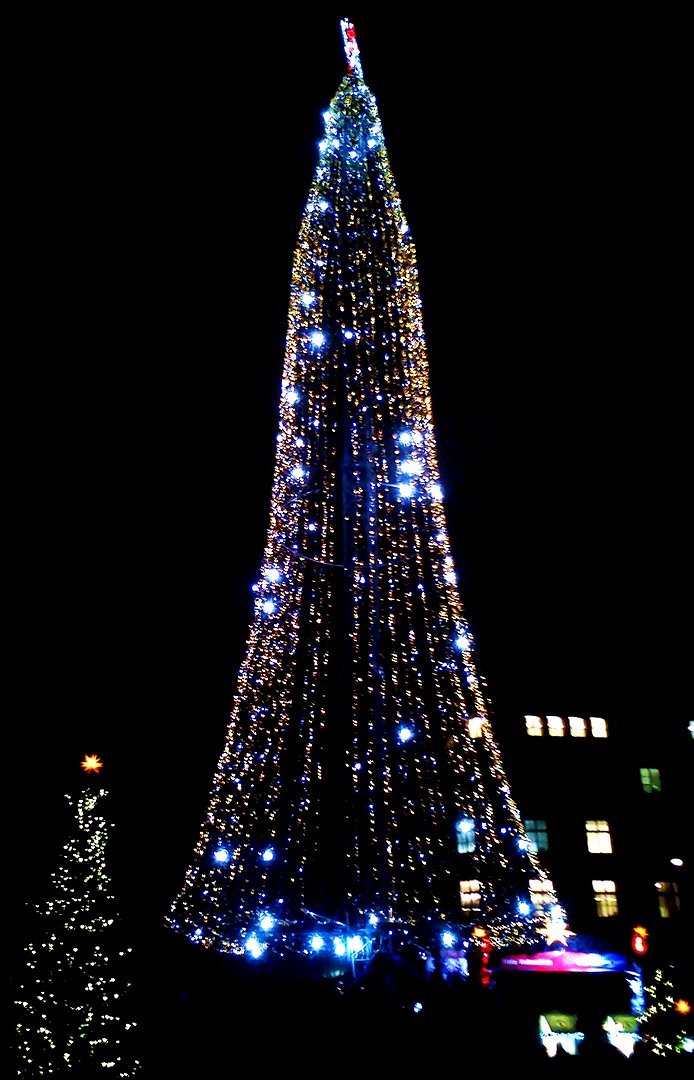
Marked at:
<point>74,1000</point>
<point>360,780</point>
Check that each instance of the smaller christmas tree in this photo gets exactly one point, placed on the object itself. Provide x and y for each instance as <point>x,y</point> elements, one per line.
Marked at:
<point>666,1022</point>
<point>75,992</point>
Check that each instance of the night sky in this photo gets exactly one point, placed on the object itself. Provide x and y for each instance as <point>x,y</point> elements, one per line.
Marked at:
<point>159,174</point>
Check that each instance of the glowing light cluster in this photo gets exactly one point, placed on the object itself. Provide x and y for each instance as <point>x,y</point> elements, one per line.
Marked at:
<point>74,999</point>
<point>358,700</point>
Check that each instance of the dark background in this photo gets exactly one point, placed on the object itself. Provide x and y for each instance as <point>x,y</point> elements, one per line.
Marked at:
<point>159,171</point>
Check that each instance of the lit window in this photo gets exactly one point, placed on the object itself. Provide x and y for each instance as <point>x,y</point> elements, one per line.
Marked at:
<point>598,837</point>
<point>577,727</point>
<point>533,725</point>
<point>605,896</point>
<point>474,727</point>
<point>465,835</point>
<point>555,725</point>
<point>598,727</point>
<point>668,898</point>
<point>536,831</point>
<point>470,895</point>
<point>541,893</point>
<point>650,780</point>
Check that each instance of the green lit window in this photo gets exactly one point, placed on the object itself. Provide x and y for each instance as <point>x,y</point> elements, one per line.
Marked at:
<point>536,831</point>
<point>650,780</point>
<point>465,835</point>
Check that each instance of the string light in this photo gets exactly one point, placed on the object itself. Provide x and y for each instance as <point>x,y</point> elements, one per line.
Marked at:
<point>368,635</point>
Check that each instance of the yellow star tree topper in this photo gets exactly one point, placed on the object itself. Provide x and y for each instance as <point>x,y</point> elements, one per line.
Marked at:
<point>92,763</point>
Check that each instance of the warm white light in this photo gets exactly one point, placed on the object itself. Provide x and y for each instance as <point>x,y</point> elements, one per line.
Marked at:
<point>676,862</point>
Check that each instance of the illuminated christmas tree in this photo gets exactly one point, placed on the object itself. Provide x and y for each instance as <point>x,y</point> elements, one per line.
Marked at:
<point>360,794</point>
<point>74,999</point>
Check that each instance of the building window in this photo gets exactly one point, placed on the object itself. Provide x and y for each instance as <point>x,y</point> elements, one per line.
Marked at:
<point>650,780</point>
<point>541,893</point>
<point>598,837</point>
<point>533,725</point>
<point>605,896</point>
<point>465,835</point>
<point>555,725</point>
<point>536,831</point>
<point>577,727</point>
<point>470,895</point>
<point>598,727</point>
<point>668,898</point>
<point>474,727</point>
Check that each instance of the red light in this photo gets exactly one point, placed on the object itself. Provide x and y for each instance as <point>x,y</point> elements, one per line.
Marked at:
<point>639,944</point>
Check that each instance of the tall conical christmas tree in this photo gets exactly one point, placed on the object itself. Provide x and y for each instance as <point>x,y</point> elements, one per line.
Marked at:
<point>360,781</point>
<point>74,999</point>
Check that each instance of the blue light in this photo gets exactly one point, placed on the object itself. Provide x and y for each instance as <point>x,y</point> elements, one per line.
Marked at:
<point>406,490</point>
<point>436,492</point>
<point>272,573</point>
<point>317,338</point>
<point>324,204</point>
<point>355,944</point>
<point>371,143</point>
<point>268,854</point>
<point>466,825</point>
<point>405,437</point>
<point>269,607</point>
<point>317,943</point>
<point>336,143</point>
<point>292,396</point>
<point>411,467</point>
<point>298,472</point>
<point>353,154</point>
<point>348,334</point>
<point>447,939</point>
<point>524,908</point>
<point>463,642</point>
<point>221,855</point>
<point>307,298</point>
<point>405,733</point>
<point>267,922</point>
<point>373,920</point>
<point>197,934</point>
<point>339,947</point>
<point>417,1007</point>
<point>254,947</point>
<point>323,145</point>
<point>524,844</point>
